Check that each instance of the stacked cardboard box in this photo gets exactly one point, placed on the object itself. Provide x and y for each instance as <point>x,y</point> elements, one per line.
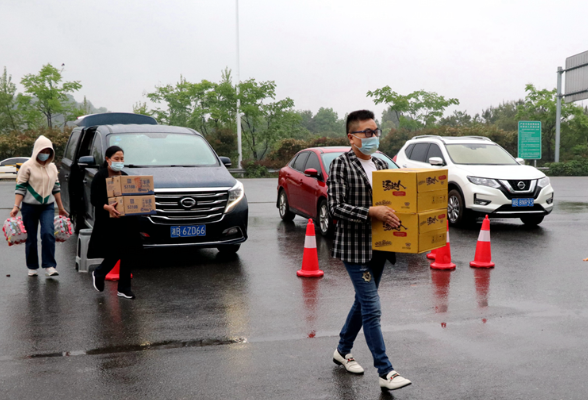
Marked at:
<point>133,193</point>
<point>419,197</point>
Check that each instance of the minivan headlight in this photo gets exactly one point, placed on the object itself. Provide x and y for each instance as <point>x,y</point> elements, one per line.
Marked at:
<point>543,182</point>
<point>493,183</point>
<point>236,193</point>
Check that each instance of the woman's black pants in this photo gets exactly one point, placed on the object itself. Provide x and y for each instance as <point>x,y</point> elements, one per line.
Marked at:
<point>108,264</point>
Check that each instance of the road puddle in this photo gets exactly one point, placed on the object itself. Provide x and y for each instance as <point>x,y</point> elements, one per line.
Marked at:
<point>571,206</point>
<point>171,344</point>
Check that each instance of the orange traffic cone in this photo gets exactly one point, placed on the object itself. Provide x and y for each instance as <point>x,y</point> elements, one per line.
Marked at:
<point>310,265</point>
<point>483,257</point>
<point>114,274</point>
<point>443,255</point>
<point>431,255</point>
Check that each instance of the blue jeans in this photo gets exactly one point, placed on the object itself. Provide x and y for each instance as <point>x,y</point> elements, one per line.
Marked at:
<point>366,312</point>
<point>31,216</point>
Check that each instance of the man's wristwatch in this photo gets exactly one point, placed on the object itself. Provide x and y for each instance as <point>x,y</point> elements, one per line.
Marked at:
<point>17,206</point>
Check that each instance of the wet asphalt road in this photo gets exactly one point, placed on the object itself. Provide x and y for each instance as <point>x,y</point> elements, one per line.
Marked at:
<point>208,327</point>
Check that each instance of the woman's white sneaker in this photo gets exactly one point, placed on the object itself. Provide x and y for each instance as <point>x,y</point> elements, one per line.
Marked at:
<point>51,271</point>
<point>348,362</point>
<point>33,272</point>
<point>393,381</point>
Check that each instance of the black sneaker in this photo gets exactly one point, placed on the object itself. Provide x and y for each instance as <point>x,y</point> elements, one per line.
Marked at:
<point>98,282</point>
<point>126,293</point>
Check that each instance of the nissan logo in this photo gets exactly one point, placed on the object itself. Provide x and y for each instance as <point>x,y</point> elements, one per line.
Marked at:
<point>187,202</point>
<point>521,185</point>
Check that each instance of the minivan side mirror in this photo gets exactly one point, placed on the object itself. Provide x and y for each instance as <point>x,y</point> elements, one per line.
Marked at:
<point>86,161</point>
<point>226,161</point>
<point>313,173</point>
<point>436,161</point>
<point>520,161</point>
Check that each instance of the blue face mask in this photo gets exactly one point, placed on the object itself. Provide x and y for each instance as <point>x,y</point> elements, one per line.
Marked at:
<point>43,157</point>
<point>117,166</point>
<point>368,145</point>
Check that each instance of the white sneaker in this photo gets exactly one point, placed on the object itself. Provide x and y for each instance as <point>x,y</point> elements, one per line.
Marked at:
<point>348,362</point>
<point>33,272</point>
<point>51,271</point>
<point>393,381</point>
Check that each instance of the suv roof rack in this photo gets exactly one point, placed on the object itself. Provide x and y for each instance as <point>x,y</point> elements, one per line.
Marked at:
<point>114,119</point>
<point>444,138</point>
<point>428,136</point>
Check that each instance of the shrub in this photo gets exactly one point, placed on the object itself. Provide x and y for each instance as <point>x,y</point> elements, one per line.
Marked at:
<point>20,144</point>
<point>253,169</point>
<point>568,168</point>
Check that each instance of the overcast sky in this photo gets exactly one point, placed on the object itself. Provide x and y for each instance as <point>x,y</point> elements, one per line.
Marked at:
<point>321,53</point>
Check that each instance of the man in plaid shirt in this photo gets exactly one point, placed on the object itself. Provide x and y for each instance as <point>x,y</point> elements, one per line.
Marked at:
<point>350,203</point>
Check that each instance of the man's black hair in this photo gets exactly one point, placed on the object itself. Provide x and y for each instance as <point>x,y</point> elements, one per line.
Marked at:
<point>356,116</point>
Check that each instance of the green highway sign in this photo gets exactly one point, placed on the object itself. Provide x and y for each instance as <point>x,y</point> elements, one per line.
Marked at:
<point>530,140</point>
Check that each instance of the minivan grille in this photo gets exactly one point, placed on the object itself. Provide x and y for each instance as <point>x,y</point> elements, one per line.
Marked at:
<point>189,207</point>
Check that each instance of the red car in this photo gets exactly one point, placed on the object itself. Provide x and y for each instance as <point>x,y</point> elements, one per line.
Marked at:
<point>302,185</point>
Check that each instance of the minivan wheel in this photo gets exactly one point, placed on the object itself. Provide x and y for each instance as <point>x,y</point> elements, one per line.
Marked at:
<point>455,208</point>
<point>229,248</point>
<point>284,208</point>
<point>324,221</point>
<point>532,220</point>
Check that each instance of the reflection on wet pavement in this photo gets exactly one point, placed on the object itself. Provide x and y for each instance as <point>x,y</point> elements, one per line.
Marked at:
<point>482,278</point>
<point>441,280</point>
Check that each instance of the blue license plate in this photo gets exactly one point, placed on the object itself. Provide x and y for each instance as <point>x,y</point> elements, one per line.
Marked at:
<point>188,231</point>
<point>523,202</point>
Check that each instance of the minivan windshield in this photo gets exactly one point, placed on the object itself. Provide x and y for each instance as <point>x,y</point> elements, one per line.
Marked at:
<point>329,157</point>
<point>479,154</point>
<point>164,149</point>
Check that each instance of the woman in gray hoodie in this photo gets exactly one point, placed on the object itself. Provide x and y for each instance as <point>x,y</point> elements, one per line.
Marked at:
<point>37,189</point>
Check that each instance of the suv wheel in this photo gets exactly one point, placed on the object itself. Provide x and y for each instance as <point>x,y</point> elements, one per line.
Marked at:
<point>229,248</point>
<point>455,207</point>
<point>324,221</point>
<point>532,220</point>
<point>284,208</point>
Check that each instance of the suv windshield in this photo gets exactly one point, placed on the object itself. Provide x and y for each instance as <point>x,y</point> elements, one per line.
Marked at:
<point>479,154</point>
<point>164,149</point>
<point>329,157</point>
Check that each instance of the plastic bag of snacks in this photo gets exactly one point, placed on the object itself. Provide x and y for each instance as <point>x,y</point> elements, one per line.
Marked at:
<point>14,231</point>
<point>63,229</point>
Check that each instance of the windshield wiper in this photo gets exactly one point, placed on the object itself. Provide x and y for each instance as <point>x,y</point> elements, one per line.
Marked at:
<point>138,166</point>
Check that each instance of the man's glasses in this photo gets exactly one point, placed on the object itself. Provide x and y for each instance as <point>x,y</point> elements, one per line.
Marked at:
<point>370,132</point>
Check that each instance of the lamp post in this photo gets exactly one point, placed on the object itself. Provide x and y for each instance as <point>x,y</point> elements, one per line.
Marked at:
<point>237,87</point>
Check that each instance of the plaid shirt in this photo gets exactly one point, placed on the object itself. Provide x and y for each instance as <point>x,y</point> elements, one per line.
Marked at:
<point>350,197</point>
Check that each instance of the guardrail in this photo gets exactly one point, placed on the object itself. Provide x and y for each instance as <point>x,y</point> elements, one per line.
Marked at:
<point>241,171</point>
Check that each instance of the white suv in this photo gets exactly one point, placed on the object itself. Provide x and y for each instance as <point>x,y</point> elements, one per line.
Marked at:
<point>483,178</point>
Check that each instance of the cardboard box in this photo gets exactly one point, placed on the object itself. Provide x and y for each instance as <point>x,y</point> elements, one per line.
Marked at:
<point>136,185</point>
<point>113,187</point>
<point>120,205</point>
<point>129,185</point>
<point>410,190</point>
<point>134,205</point>
<point>416,234</point>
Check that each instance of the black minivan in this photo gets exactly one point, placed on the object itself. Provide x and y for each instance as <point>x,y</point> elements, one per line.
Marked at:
<point>198,202</point>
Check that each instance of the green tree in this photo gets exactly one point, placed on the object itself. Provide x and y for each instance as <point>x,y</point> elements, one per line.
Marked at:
<point>9,119</point>
<point>416,110</point>
<point>264,122</point>
<point>540,105</point>
<point>458,118</point>
<point>327,121</point>
<point>47,93</point>
<point>141,108</point>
